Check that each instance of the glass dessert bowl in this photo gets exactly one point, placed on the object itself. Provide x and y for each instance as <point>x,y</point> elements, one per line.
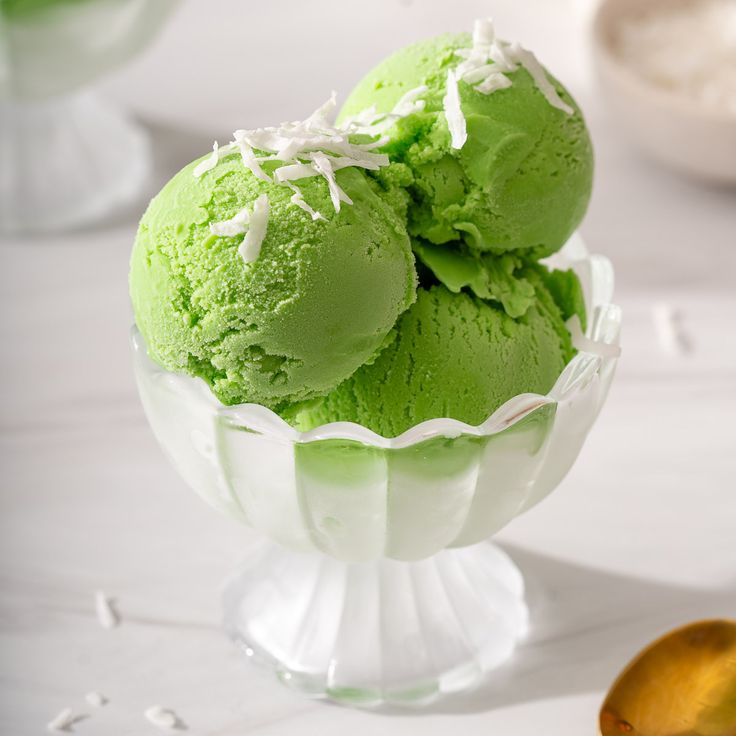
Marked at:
<point>375,583</point>
<point>60,169</point>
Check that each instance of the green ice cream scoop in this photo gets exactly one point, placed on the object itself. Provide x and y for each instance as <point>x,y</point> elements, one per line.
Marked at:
<point>454,355</point>
<point>319,301</point>
<point>521,181</point>
<point>26,8</point>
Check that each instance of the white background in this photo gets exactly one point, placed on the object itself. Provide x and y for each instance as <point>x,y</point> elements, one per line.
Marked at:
<point>640,537</point>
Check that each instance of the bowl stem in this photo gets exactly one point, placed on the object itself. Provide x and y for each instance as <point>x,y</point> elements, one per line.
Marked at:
<point>364,634</point>
<point>67,161</point>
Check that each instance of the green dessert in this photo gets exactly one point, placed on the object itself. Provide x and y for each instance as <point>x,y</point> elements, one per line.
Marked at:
<point>280,269</point>
<point>513,172</point>
<point>318,300</point>
<point>454,356</point>
<point>17,9</point>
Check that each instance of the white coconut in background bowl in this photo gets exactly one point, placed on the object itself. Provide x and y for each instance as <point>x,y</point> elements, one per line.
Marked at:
<point>668,70</point>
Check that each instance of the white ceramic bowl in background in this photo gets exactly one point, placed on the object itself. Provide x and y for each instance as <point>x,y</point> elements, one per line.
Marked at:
<point>677,130</point>
<point>373,586</point>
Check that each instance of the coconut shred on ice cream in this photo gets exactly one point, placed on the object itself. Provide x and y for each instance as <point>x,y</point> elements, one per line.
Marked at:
<point>385,268</point>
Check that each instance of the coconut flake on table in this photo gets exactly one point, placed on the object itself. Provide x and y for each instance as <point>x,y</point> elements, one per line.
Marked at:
<point>95,699</point>
<point>312,147</point>
<point>484,66</point>
<point>163,718</point>
<point>63,721</point>
<point>668,325</point>
<point>686,47</point>
<point>108,617</point>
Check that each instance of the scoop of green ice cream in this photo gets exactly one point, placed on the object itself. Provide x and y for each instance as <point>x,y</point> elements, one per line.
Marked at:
<point>320,300</point>
<point>454,355</point>
<point>495,278</point>
<point>16,9</point>
<point>522,180</point>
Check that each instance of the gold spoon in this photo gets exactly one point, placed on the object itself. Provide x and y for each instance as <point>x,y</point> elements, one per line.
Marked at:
<point>683,684</point>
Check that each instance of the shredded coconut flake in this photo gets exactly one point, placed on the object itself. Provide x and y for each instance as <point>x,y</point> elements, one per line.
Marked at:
<point>106,613</point>
<point>323,165</point>
<point>236,225</point>
<point>298,200</point>
<point>250,160</point>
<point>454,113</point>
<point>63,721</point>
<point>250,248</point>
<point>209,163</point>
<point>294,171</point>
<point>671,335</point>
<point>369,122</point>
<point>484,67</point>
<point>95,699</point>
<point>252,224</point>
<point>162,718</point>
<point>483,32</point>
<point>527,59</point>
<point>312,147</point>
<point>493,82</point>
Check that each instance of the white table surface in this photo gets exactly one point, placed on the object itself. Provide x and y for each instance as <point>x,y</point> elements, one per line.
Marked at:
<point>640,537</point>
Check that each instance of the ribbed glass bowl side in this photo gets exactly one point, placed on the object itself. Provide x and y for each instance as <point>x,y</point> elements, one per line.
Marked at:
<point>345,491</point>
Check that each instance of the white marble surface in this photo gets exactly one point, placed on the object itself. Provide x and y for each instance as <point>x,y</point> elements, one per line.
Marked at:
<point>639,537</point>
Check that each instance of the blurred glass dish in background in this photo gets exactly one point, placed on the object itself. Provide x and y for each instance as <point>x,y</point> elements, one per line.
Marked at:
<point>668,69</point>
<point>68,158</point>
<point>372,586</point>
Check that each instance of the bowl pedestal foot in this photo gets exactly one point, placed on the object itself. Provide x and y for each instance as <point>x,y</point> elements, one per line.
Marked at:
<point>365,634</point>
<point>67,161</point>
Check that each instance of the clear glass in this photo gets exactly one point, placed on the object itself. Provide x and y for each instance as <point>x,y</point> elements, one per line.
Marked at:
<point>68,158</point>
<point>376,583</point>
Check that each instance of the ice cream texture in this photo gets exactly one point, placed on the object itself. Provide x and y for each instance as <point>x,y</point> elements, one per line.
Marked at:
<point>456,355</point>
<point>520,182</point>
<point>383,269</point>
<point>320,300</point>
<point>16,9</point>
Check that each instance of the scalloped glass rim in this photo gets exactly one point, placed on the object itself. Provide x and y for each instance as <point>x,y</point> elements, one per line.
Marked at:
<point>600,342</point>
